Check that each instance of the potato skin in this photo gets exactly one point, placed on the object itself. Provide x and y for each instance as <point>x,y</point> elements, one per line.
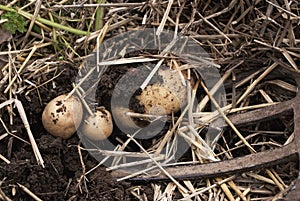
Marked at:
<point>99,126</point>
<point>62,117</point>
<point>166,97</point>
<point>159,100</point>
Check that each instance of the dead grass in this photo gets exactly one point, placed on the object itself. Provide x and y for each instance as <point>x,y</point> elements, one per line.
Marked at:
<point>246,40</point>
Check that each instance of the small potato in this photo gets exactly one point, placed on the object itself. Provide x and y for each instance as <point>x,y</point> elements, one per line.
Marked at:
<point>62,117</point>
<point>122,120</point>
<point>99,126</point>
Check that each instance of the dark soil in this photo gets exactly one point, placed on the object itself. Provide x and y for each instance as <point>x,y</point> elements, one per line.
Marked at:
<point>61,179</point>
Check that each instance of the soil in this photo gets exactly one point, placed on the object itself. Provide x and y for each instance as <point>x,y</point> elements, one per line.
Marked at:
<point>61,179</point>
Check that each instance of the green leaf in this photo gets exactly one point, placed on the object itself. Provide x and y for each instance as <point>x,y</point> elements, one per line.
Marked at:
<point>15,22</point>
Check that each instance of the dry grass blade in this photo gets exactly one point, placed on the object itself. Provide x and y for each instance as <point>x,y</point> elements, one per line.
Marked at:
<point>136,163</point>
<point>192,189</point>
<point>283,85</point>
<point>159,63</point>
<point>83,101</point>
<point>226,190</point>
<point>4,159</point>
<point>205,150</point>
<point>260,178</point>
<point>284,52</point>
<point>279,7</point>
<point>214,27</point>
<point>27,127</point>
<point>31,194</point>
<point>237,190</point>
<point>227,120</point>
<point>126,61</point>
<point>239,134</point>
<point>204,101</point>
<point>10,133</point>
<point>276,181</point>
<point>199,192</point>
<point>101,5</point>
<point>35,148</point>
<point>287,55</point>
<point>244,194</point>
<point>164,19</point>
<point>38,5</point>
<point>3,196</point>
<point>3,136</point>
<point>80,83</point>
<point>168,135</point>
<point>251,107</point>
<point>21,68</point>
<point>24,50</point>
<point>159,166</point>
<point>252,86</point>
<point>266,96</point>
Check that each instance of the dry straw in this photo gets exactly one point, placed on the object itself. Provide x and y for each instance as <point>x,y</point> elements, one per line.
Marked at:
<point>248,42</point>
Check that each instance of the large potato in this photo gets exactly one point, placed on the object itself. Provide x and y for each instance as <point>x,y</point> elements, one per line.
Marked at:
<point>164,97</point>
<point>62,117</point>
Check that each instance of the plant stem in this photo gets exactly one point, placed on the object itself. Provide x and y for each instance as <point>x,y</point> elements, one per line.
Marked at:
<point>45,21</point>
<point>99,15</point>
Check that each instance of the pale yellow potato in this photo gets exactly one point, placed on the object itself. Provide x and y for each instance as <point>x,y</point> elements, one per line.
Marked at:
<point>166,97</point>
<point>62,117</point>
<point>99,126</point>
<point>158,100</point>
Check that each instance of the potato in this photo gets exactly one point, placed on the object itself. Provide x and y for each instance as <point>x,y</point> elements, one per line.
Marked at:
<point>165,97</point>
<point>158,100</point>
<point>62,117</point>
<point>122,120</point>
<point>99,126</point>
